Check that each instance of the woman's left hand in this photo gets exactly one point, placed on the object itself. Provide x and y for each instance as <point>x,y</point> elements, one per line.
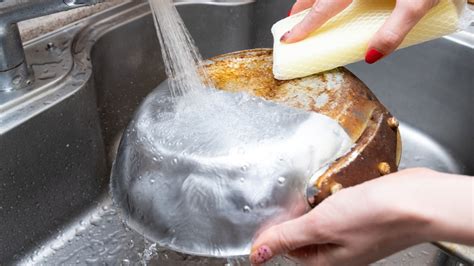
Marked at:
<point>365,223</point>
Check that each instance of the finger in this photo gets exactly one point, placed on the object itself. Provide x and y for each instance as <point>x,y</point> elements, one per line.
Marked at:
<point>301,5</point>
<point>319,14</point>
<point>280,239</point>
<point>403,18</point>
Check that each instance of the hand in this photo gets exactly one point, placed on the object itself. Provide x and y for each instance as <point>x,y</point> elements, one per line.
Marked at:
<point>364,223</point>
<point>405,16</point>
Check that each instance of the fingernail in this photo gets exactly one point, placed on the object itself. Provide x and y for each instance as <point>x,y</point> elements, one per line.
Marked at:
<point>373,56</point>
<point>261,255</point>
<point>285,36</point>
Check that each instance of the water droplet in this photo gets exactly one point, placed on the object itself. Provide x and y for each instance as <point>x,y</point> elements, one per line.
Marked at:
<point>281,180</point>
<point>16,80</point>
<point>247,209</point>
<point>411,255</point>
<point>50,46</point>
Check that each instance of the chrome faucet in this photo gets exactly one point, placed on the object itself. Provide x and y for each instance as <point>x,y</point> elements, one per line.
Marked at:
<point>14,71</point>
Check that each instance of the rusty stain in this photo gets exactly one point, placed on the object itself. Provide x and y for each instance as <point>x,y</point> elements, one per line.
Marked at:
<point>349,102</point>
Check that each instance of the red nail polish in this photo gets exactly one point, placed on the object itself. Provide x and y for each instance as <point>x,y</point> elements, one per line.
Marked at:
<point>285,36</point>
<point>289,12</point>
<point>373,56</point>
<point>261,255</point>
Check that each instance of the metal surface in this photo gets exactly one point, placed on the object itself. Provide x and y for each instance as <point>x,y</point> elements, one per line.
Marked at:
<point>337,94</point>
<point>54,206</point>
<point>165,161</point>
<point>226,184</point>
<point>14,70</point>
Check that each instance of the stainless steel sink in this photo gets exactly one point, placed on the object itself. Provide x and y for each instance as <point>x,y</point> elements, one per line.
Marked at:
<point>58,141</point>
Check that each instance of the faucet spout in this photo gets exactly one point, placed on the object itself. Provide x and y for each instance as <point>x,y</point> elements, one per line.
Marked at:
<point>14,71</point>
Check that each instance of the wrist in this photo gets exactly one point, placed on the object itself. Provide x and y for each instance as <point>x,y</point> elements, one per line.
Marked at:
<point>427,205</point>
<point>448,208</point>
<point>412,223</point>
<point>400,204</point>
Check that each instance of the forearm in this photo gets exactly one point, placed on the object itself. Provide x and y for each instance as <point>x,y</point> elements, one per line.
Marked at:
<point>440,205</point>
<point>426,205</point>
<point>449,208</point>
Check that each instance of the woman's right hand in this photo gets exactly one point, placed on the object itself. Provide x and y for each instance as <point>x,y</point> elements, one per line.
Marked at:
<point>404,17</point>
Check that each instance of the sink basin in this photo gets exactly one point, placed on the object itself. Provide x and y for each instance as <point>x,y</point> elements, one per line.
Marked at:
<point>58,141</point>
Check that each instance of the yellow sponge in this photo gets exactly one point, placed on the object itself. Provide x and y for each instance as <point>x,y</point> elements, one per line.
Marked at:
<point>344,39</point>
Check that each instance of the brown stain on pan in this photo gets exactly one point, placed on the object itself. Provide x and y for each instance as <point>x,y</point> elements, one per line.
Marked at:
<point>336,93</point>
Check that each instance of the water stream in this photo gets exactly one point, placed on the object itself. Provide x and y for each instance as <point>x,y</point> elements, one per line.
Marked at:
<point>181,57</point>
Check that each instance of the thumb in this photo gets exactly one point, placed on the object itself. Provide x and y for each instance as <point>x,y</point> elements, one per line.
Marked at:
<point>285,237</point>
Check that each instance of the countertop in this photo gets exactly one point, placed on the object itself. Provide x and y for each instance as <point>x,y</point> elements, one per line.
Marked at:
<point>33,28</point>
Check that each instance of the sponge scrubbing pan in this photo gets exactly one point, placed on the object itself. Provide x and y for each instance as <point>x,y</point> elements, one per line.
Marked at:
<point>344,38</point>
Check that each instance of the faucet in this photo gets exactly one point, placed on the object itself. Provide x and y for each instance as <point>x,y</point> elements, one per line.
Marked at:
<point>14,71</point>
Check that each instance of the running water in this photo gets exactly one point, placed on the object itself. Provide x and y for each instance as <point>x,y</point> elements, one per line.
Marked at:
<point>183,62</point>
